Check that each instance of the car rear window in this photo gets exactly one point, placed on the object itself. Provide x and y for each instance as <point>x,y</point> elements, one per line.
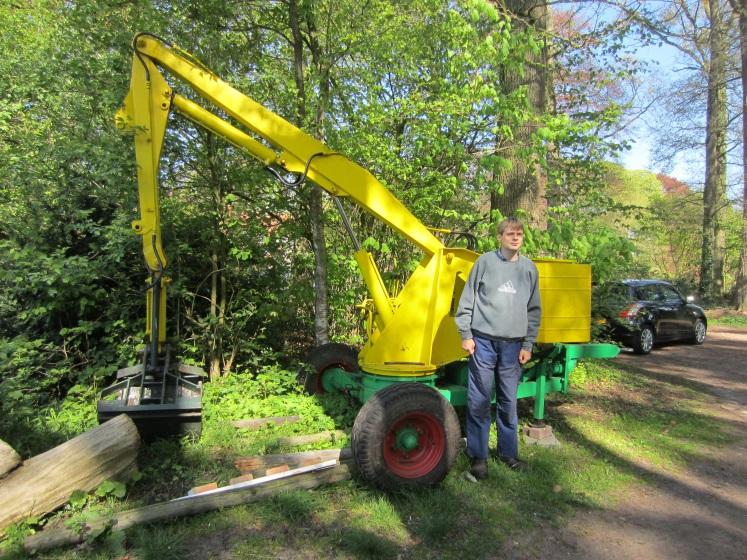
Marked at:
<point>650,292</point>
<point>670,294</point>
<point>615,293</point>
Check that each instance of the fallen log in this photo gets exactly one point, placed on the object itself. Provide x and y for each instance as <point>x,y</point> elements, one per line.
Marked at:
<point>9,459</point>
<point>311,438</point>
<point>52,538</point>
<point>45,482</point>
<point>254,463</point>
<point>256,423</point>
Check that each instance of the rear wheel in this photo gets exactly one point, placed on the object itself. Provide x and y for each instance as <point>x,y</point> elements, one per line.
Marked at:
<point>322,358</point>
<point>406,435</point>
<point>699,332</point>
<point>644,340</point>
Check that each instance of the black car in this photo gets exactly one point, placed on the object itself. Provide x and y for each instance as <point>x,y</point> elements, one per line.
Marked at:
<point>641,313</point>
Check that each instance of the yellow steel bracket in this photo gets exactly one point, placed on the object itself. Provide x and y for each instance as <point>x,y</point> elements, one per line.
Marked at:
<point>145,112</point>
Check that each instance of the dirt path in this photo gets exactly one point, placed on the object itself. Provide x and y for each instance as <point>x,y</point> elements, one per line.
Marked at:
<point>697,514</point>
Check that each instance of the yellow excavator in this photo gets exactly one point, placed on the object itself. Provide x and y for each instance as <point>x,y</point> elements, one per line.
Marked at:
<point>411,372</point>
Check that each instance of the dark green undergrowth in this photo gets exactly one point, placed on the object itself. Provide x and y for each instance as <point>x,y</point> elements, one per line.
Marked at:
<point>618,427</point>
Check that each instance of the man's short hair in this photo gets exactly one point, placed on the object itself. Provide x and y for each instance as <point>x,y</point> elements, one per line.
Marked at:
<point>510,223</point>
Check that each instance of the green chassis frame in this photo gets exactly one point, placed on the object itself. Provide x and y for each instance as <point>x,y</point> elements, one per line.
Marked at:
<point>548,373</point>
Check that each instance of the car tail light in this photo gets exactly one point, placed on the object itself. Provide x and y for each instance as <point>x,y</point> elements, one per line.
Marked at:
<point>631,311</point>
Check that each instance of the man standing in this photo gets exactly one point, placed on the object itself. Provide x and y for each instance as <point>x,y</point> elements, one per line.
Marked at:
<point>498,319</point>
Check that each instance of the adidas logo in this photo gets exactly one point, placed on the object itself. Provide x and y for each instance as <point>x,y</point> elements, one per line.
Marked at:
<point>507,288</point>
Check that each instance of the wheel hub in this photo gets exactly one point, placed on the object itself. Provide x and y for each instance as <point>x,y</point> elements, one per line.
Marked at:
<point>647,340</point>
<point>700,331</point>
<point>414,445</point>
<point>407,439</point>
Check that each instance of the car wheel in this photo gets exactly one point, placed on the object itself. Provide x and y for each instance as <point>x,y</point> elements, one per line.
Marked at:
<point>699,332</point>
<point>644,341</point>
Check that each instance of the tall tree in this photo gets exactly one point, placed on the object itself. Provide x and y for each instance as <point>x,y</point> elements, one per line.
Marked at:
<point>301,20</point>
<point>714,187</point>
<point>523,182</point>
<point>701,31</point>
<point>740,8</point>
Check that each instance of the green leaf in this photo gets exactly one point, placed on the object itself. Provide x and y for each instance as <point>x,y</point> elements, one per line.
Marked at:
<point>78,498</point>
<point>119,490</point>
<point>105,488</point>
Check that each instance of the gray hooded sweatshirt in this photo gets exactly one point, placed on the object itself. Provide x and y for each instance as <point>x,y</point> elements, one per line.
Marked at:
<point>501,299</point>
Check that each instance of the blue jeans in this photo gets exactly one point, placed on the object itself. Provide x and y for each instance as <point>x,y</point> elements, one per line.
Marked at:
<point>495,364</point>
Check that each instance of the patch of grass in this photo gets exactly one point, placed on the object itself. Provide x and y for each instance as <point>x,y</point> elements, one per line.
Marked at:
<point>736,320</point>
<point>637,421</point>
<point>169,543</point>
<point>297,505</point>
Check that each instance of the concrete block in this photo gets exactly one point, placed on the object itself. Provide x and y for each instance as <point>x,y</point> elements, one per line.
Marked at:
<point>544,436</point>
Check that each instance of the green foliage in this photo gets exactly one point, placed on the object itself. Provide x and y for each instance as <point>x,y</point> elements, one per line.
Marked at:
<point>107,489</point>
<point>33,375</point>
<point>111,488</point>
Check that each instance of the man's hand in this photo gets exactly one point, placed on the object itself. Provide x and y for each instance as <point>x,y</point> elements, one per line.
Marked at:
<point>524,355</point>
<point>468,344</point>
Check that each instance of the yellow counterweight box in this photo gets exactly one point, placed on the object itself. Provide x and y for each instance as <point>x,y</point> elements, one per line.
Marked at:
<point>565,289</point>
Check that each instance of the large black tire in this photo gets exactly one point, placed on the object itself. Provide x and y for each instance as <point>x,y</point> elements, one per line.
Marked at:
<point>324,357</point>
<point>394,413</point>
<point>643,342</point>
<point>699,332</point>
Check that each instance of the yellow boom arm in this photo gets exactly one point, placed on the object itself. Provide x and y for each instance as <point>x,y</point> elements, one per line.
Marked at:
<point>413,332</point>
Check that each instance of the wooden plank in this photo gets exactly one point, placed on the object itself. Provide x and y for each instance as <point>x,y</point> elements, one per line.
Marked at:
<point>256,423</point>
<point>276,470</point>
<point>311,438</point>
<point>45,482</point>
<point>200,503</point>
<point>254,463</point>
<point>242,478</point>
<point>265,479</point>
<point>203,488</point>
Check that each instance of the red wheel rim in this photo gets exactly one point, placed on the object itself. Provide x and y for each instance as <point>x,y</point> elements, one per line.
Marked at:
<point>431,446</point>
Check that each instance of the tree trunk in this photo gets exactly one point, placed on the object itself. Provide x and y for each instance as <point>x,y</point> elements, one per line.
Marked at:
<point>316,211</point>
<point>715,175</point>
<point>740,7</point>
<point>45,482</point>
<point>321,306</point>
<point>217,261</point>
<point>525,184</point>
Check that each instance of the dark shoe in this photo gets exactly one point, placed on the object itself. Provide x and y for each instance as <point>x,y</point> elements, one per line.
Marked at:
<point>479,469</point>
<point>514,464</point>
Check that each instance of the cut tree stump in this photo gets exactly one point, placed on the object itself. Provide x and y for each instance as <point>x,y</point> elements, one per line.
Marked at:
<point>256,423</point>
<point>52,538</point>
<point>9,459</point>
<point>45,482</point>
<point>254,463</point>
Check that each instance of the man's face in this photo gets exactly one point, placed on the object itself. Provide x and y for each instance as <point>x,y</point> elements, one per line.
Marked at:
<point>512,238</point>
